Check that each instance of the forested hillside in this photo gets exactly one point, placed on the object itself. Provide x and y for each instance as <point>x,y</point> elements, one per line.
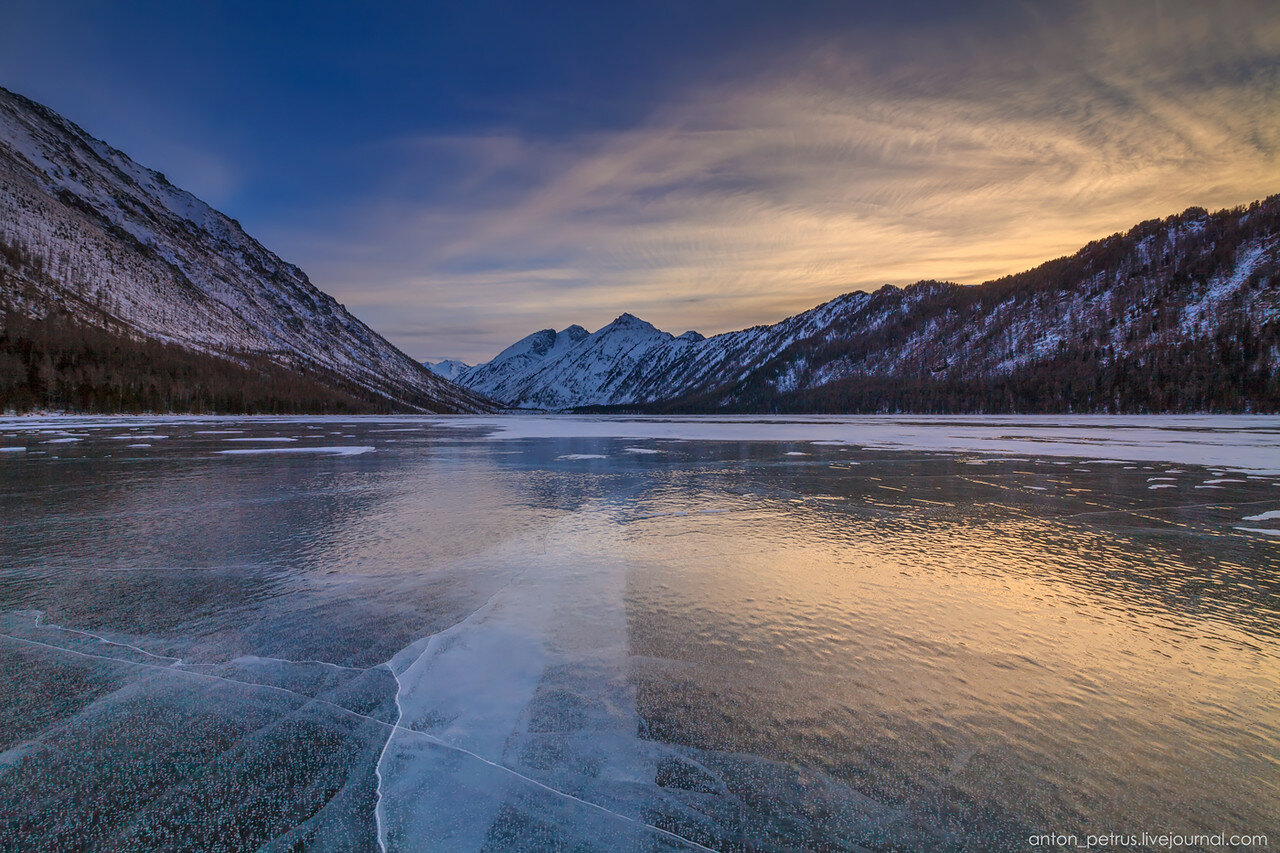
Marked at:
<point>1179,315</point>
<point>56,361</point>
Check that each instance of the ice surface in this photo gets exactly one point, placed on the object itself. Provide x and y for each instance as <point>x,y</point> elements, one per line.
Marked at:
<point>457,642</point>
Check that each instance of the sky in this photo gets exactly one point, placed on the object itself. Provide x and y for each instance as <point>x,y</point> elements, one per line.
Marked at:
<point>462,174</point>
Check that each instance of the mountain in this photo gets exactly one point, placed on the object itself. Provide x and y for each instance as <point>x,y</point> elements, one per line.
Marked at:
<point>1180,314</point>
<point>628,361</point>
<point>449,368</point>
<point>119,291</point>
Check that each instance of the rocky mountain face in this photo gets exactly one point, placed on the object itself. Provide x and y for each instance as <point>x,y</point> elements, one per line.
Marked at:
<point>109,253</point>
<point>1180,314</point>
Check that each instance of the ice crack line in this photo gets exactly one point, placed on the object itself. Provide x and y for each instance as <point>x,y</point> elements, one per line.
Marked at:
<point>179,662</point>
<point>173,661</point>
<point>392,727</point>
<point>529,779</point>
<point>325,663</point>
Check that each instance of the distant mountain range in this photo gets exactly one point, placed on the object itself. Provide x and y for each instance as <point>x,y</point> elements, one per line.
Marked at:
<point>1180,314</point>
<point>121,292</point>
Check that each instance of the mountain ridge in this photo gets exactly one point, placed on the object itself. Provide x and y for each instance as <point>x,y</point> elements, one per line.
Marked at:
<point>1193,298</point>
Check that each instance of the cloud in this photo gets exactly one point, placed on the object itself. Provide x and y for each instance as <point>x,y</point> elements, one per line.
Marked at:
<point>857,161</point>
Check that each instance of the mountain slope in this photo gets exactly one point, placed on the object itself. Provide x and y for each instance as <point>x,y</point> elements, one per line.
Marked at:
<point>96,243</point>
<point>1181,314</point>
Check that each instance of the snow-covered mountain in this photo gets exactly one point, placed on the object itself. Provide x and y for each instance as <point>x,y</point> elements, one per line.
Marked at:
<point>1177,314</point>
<point>95,238</point>
<point>448,368</point>
<point>627,361</point>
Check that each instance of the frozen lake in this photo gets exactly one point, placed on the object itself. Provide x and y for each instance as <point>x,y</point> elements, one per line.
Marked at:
<point>895,633</point>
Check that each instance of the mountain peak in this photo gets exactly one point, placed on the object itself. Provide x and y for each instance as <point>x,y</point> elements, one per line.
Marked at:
<point>630,321</point>
<point>536,344</point>
<point>449,368</point>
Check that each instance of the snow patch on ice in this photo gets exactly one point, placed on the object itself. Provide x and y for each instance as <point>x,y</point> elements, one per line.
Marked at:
<point>346,450</point>
<point>1265,531</point>
<point>1263,516</point>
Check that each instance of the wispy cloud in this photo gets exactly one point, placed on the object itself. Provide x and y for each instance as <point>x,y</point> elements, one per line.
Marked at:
<point>855,163</point>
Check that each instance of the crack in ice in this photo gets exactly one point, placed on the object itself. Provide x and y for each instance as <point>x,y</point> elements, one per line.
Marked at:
<point>40,615</point>
<point>393,728</point>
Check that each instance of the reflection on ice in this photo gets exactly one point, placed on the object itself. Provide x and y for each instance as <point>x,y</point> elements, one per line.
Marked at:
<point>517,725</point>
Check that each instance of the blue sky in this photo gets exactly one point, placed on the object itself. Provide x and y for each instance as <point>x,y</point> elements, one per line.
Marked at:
<point>462,174</point>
